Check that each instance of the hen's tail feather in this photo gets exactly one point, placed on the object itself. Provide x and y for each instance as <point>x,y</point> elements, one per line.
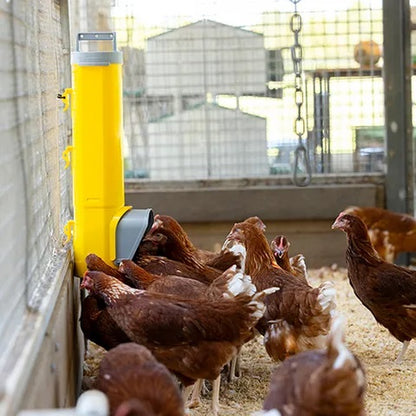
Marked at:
<point>241,284</point>
<point>336,347</point>
<point>299,262</point>
<point>233,283</point>
<point>326,297</point>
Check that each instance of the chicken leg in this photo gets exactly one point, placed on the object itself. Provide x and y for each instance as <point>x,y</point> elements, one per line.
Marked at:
<point>195,400</point>
<point>234,367</point>
<point>215,403</point>
<point>402,352</point>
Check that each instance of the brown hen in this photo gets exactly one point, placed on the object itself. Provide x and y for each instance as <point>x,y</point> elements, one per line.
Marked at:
<point>387,290</point>
<point>96,324</point>
<point>151,245</point>
<point>297,317</point>
<point>193,338</point>
<point>186,288</point>
<point>135,381</point>
<point>391,233</point>
<point>164,266</point>
<point>295,265</point>
<point>328,382</point>
<point>96,263</point>
<point>176,285</point>
<point>178,246</point>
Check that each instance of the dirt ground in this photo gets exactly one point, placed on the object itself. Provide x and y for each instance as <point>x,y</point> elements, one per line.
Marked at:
<point>391,387</point>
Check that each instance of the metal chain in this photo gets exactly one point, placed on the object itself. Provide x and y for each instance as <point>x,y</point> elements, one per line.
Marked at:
<point>301,152</point>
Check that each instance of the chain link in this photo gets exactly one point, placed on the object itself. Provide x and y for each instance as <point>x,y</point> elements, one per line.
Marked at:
<point>296,49</point>
<point>299,124</point>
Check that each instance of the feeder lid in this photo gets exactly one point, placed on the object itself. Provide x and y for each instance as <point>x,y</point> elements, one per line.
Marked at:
<point>97,53</point>
<point>131,228</point>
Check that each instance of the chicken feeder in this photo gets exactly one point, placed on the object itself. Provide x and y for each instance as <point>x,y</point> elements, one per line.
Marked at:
<point>133,225</point>
<point>102,224</point>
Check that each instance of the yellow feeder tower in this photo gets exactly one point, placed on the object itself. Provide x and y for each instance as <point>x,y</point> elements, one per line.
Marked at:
<point>102,223</point>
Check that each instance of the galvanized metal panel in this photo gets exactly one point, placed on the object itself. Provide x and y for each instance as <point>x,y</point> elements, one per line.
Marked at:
<point>34,188</point>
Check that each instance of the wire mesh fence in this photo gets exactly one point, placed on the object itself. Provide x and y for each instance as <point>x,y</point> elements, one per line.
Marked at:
<point>34,189</point>
<point>212,95</point>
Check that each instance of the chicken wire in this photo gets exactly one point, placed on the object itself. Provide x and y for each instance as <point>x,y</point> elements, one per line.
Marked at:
<point>34,189</point>
<point>209,93</point>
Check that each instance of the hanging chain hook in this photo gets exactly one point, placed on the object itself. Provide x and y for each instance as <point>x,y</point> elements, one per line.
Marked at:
<point>300,178</point>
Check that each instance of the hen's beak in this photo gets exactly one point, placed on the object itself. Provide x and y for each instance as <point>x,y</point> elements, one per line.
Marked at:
<point>86,281</point>
<point>338,222</point>
<point>278,253</point>
<point>335,225</point>
<point>155,226</point>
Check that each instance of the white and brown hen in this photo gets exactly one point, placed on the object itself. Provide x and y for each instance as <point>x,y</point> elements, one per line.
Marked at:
<point>297,317</point>
<point>328,382</point>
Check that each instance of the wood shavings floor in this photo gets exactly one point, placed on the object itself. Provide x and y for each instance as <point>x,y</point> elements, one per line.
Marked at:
<point>391,387</point>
